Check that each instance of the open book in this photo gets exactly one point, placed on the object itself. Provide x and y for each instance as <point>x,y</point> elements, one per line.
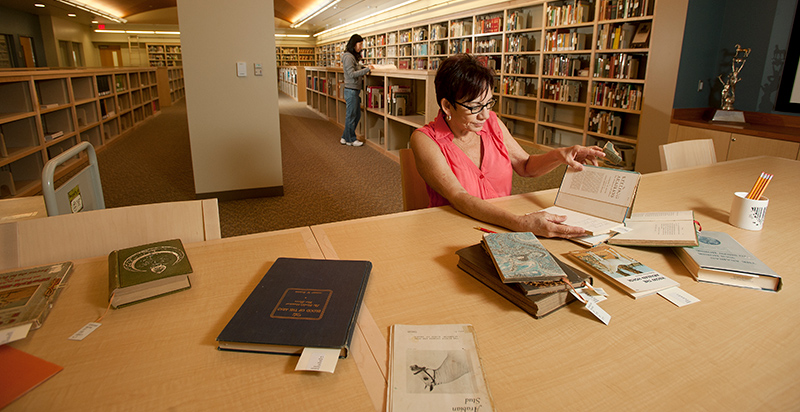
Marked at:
<point>658,229</point>
<point>597,199</point>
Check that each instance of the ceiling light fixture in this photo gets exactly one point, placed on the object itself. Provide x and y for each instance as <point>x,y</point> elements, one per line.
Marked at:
<point>40,5</point>
<point>291,35</point>
<point>315,13</point>
<point>366,17</point>
<point>89,9</point>
<point>137,32</point>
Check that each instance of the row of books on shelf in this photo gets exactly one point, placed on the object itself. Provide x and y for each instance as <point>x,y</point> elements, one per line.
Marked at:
<point>622,9</point>
<point>620,66</point>
<point>520,65</point>
<point>617,95</point>
<point>561,65</point>
<point>571,12</point>
<point>519,86</point>
<point>625,36</point>
<point>520,43</point>
<point>566,40</point>
<point>488,24</point>
<point>519,20</point>
<point>605,122</point>
<point>561,90</point>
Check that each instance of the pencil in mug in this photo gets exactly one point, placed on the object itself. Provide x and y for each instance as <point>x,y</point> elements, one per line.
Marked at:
<point>759,187</point>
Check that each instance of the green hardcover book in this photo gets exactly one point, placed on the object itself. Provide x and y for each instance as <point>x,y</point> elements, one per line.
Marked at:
<point>145,272</point>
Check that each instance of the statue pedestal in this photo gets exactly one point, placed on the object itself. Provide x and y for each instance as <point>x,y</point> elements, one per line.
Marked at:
<point>728,116</point>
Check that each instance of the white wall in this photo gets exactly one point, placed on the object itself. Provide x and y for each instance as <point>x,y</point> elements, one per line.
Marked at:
<point>234,125</point>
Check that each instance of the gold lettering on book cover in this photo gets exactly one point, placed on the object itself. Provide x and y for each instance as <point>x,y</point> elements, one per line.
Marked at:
<point>302,304</point>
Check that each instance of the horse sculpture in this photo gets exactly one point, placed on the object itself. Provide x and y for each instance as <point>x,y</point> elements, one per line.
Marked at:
<point>454,366</point>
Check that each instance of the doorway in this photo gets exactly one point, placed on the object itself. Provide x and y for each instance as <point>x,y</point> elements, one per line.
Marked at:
<point>27,51</point>
<point>110,56</point>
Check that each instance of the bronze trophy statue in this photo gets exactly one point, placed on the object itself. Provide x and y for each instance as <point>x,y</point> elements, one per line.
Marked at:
<point>727,113</point>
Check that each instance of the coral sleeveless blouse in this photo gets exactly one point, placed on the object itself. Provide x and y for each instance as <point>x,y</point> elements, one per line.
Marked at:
<point>492,179</point>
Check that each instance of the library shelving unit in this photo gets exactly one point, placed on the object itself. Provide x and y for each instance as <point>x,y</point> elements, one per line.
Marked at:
<point>164,54</point>
<point>45,112</point>
<point>568,71</point>
<point>288,81</point>
<point>294,56</point>
<point>383,124</point>
<point>171,87</point>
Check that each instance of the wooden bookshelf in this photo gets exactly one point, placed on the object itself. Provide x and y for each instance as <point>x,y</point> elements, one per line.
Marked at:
<point>164,54</point>
<point>568,71</point>
<point>292,81</point>
<point>45,112</point>
<point>295,56</point>
<point>171,87</point>
<point>378,126</point>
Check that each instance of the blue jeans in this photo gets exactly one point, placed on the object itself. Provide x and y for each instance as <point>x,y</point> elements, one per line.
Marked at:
<point>352,98</point>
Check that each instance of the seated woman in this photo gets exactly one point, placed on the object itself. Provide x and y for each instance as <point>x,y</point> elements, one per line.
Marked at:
<point>466,155</point>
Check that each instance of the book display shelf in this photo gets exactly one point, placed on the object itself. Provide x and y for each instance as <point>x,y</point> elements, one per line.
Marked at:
<point>287,81</point>
<point>43,113</point>
<point>394,104</point>
<point>294,56</point>
<point>171,87</point>
<point>164,55</point>
<point>568,71</point>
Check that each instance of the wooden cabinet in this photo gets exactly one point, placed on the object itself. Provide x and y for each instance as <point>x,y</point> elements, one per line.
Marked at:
<point>164,55</point>
<point>568,71</point>
<point>732,146</point>
<point>43,113</point>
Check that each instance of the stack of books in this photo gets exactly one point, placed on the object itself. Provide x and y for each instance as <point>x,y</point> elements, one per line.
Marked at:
<point>519,268</point>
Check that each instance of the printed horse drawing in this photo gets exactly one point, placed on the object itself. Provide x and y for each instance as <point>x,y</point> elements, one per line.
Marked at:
<point>454,366</point>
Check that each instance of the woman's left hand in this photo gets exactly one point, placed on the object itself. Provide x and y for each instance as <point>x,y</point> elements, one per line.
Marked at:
<point>576,156</point>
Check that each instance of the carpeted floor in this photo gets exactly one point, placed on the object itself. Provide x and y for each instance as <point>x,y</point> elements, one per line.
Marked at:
<point>323,180</point>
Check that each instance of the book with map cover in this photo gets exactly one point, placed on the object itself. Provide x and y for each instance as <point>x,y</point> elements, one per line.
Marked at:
<point>521,257</point>
<point>477,263</point>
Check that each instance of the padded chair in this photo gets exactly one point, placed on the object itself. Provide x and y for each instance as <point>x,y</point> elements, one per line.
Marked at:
<point>83,191</point>
<point>415,193</point>
<point>687,153</point>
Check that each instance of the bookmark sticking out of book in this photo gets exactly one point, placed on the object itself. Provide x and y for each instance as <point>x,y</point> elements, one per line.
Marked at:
<point>590,303</point>
<point>318,360</point>
<point>760,186</point>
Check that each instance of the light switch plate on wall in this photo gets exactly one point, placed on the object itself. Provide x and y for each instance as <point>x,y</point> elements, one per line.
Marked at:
<point>241,69</point>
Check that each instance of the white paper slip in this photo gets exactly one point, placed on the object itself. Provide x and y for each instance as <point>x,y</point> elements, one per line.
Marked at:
<point>15,333</point>
<point>678,296</point>
<point>318,360</point>
<point>591,304</point>
<point>85,331</point>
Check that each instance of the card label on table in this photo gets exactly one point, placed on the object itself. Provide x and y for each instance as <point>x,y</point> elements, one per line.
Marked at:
<point>85,331</point>
<point>318,360</point>
<point>678,296</point>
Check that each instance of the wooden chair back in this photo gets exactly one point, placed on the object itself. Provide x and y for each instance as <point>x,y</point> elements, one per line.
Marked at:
<point>415,192</point>
<point>687,153</point>
<point>98,232</point>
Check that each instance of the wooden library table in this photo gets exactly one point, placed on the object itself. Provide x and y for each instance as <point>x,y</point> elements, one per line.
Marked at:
<point>736,349</point>
<point>161,354</point>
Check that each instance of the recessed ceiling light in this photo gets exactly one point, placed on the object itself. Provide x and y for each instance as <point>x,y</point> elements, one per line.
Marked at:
<point>38,5</point>
<point>72,15</point>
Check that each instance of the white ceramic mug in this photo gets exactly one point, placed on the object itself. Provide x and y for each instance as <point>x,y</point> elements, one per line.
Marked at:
<point>748,213</point>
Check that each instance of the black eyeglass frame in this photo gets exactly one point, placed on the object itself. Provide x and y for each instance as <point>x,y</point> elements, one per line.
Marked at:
<point>478,109</point>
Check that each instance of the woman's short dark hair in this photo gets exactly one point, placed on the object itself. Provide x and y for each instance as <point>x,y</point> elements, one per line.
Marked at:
<point>462,78</point>
<point>351,46</point>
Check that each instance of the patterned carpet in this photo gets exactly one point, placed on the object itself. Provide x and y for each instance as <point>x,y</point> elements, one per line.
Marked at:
<point>323,180</point>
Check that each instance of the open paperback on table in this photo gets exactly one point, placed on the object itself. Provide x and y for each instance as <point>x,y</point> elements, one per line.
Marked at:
<point>597,199</point>
<point>436,368</point>
<point>658,229</point>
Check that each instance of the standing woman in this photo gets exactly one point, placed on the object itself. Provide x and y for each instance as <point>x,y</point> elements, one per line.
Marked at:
<point>353,82</point>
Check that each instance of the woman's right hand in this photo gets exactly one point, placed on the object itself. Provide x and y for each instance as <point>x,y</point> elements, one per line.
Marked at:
<point>549,225</point>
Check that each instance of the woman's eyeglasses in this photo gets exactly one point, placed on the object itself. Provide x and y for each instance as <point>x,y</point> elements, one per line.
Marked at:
<point>479,108</point>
